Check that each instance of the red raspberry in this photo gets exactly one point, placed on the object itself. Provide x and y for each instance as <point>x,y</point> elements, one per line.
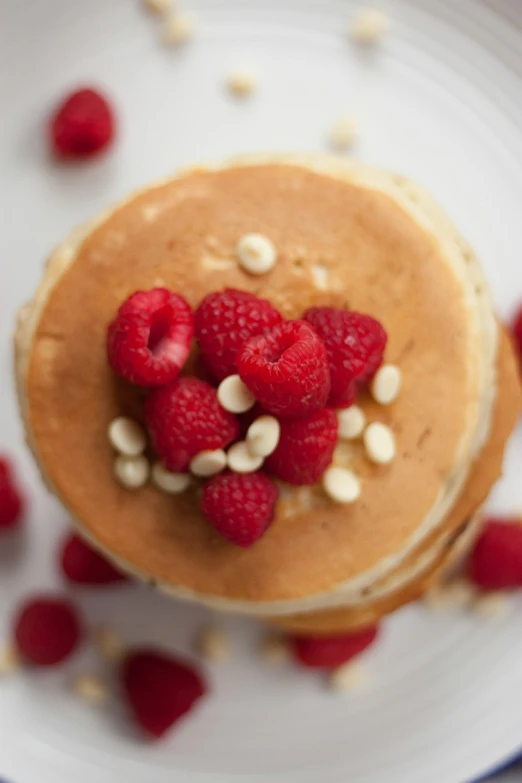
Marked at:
<point>11,503</point>
<point>149,340</point>
<point>84,566</point>
<point>517,333</point>
<point>355,346</point>
<point>159,689</point>
<point>82,125</point>
<point>305,448</point>
<point>224,320</point>
<point>240,506</point>
<point>185,418</point>
<point>286,369</point>
<point>47,630</point>
<point>328,652</point>
<point>496,561</point>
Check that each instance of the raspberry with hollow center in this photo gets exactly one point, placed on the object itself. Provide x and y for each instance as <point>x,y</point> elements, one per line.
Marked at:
<point>224,321</point>
<point>240,506</point>
<point>160,689</point>
<point>286,369</point>
<point>355,346</point>
<point>149,340</point>
<point>82,125</point>
<point>496,561</point>
<point>305,448</point>
<point>47,630</point>
<point>83,565</point>
<point>328,652</point>
<point>184,418</point>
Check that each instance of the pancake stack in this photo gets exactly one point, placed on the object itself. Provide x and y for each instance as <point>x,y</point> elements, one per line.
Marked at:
<point>346,236</point>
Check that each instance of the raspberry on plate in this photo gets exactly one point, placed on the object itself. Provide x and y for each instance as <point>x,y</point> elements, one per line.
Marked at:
<point>224,320</point>
<point>47,630</point>
<point>149,340</point>
<point>328,652</point>
<point>496,561</point>
<point>305,448</point>
<point>286,369</point>
<point>184,418</point>
<point>517,333</point>
<point>11,502</point>
<point>82,565</point>
<point>82,125</point>
<point>160,689</point>
<point>355,346</point>
<point>240,506</point>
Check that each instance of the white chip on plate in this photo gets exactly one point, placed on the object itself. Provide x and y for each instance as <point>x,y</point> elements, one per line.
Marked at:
<point>386,384</point>
<point>167,481</point>
<point>131,472</point>
<point>379,443</point>
<point>256,253</point>
<point>263,435</point>
<point>352,422</point>
<point>240,460</point>
<point>127,437</point>
<point>341,485</point>
<point>208,462</point>
<point>234,396</point>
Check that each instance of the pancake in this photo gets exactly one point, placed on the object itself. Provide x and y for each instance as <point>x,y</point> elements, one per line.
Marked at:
<point>346,235</point>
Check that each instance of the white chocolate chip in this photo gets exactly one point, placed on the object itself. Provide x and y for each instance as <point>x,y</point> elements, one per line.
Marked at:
<point>495,604</point>
<point>274,650</point>
<point>455,595</point>
<point>127,437</point>
<point>157,6</point>
<point>109,645</point>
<point>369,26</point>
<point>343,134</point>
<point>263,435</point>
<point>241,82</point>
<point>350,676</point>
<point>178,29</point>
<point>386,384</point>
<point>341,485</point>
<point>234,396</point>
<point>10,660</point>
<point>132,472</point>
<point>352,422</point>
<point>91,688</point>
<point>240,460</point>
<point>256,253</point>
<point>167,481</point>
<point>208,462</point>
<point>213,644</point>
<point>379,443</point>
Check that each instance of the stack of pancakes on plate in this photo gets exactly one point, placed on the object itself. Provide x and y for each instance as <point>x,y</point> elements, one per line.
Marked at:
<point>346,236</point>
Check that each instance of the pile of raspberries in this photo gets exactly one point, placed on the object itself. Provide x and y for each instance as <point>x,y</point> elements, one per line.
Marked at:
<point>298,371</point>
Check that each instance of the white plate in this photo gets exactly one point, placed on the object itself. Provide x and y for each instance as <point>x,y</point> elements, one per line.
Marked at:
<point>440,101</point>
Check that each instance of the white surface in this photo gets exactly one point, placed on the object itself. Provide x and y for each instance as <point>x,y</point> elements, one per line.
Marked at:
<point>439,101</point>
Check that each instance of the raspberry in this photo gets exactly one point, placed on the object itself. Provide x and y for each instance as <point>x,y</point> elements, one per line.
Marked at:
<point>82,125</point>
<point>328,652</point>
<point>286,369</point>
<point>83,565</point>
<point>224,320</point>
<point>185,418</point>
<point>160,689</point>
<point>240,506</point>
<point>11,503</point>
<point>355,346</point>
<point>517,333</point>
<point>149,340</point>
<point>47,630</point>
<point>305,448</point>
<point>496,561</point>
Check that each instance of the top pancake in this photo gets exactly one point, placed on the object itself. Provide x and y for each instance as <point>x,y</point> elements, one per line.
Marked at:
<point>383,255</point>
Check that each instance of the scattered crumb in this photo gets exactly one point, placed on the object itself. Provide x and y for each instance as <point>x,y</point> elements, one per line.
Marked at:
<point>350,676</point>
<point>109,645</point>
<point>158,6</point>
<point>320,276</point>
<point>10,660</point>
<point>492,604</point>
<point>369,26</point>
<point>456,594</point>
<point>241,83</point>
<point>178,29</point>
<point>212,643</point>
<point>217,264</point>
<point>274,650</point>
<point>91,688</point>
<point>343,134</point>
